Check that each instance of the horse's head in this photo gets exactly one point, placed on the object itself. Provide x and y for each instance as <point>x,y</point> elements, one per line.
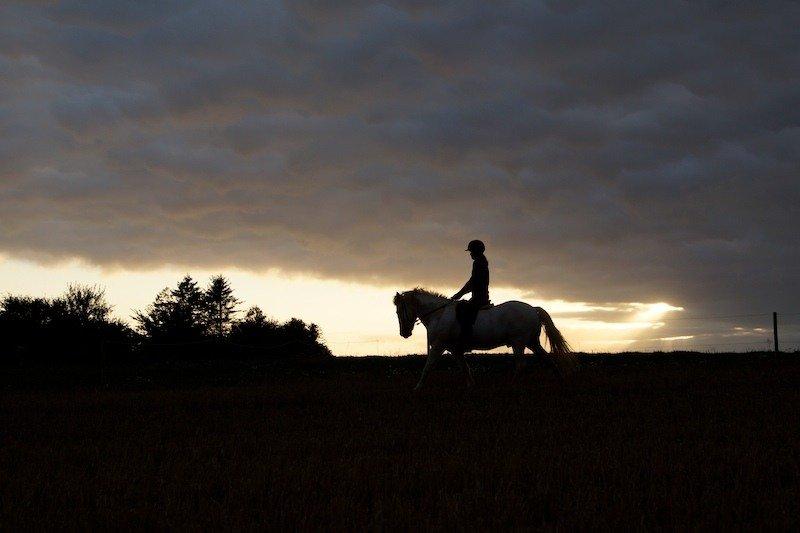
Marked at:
<point>406,313</point>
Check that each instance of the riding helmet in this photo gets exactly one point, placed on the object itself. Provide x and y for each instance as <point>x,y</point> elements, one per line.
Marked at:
<point>476,246</point>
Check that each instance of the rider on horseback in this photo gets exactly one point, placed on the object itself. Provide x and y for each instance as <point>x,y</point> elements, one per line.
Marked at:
<point>478,285</point>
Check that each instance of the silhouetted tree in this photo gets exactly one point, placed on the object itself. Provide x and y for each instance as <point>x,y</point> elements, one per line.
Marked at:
<point>255,329</point>
<point>293,337</point>
<point>220,306</point>
<point>84,304</point>
<point>306,336</point>
<point>74,326</point>
<point>189,305</point>
<point>25,310</point>
<point>78,326</point>
<point>24,322</point>
<point>155,321</point>
<point>298,329</point>
<point>176,315</point>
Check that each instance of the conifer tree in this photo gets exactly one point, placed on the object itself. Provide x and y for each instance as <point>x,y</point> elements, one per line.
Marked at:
<point>220,306</point>
<point>176,315</point>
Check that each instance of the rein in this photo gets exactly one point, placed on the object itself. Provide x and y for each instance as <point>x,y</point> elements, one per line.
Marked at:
<point>423,315</point>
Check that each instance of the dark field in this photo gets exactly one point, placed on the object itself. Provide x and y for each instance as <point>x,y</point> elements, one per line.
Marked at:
<point>657,441</point>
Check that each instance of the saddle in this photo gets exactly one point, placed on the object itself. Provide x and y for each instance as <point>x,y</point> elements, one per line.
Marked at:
<point>485,307</point>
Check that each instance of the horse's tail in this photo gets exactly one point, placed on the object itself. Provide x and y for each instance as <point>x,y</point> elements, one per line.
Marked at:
<point>559,347</point>
<point>558,344</point>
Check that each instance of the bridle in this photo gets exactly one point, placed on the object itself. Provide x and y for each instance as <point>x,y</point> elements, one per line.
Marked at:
<point>437,308</point>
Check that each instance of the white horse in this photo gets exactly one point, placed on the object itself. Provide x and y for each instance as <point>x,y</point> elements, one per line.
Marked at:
<point>513,324</point>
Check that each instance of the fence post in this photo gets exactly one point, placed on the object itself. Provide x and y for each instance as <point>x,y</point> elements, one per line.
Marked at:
<point>775,329</point>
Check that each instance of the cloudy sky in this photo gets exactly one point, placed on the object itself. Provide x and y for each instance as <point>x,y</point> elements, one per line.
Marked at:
<point>621,160</point>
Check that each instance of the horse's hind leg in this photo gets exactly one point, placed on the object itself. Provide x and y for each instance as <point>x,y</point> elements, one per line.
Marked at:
<point>519,359</point>
<point>536,347</point>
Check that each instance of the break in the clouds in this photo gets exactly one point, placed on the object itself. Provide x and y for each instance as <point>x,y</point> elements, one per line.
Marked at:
<point>606,152</point>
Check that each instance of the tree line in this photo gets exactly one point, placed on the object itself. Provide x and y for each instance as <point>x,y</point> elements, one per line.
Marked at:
<point>184,321</point>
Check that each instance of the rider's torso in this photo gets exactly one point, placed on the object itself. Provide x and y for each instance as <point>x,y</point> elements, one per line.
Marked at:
<point>480,280</point>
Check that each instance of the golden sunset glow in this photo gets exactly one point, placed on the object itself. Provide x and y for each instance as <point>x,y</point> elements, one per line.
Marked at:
<point>323,157</point>
<point>333,304</point>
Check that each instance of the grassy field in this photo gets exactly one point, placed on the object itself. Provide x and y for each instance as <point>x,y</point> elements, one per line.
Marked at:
<point>656,441</point>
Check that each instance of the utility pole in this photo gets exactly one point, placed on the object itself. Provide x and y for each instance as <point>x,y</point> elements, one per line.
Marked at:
<point>775,329</point>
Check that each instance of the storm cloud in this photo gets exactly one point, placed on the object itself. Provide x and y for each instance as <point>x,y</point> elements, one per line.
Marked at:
<point>606,152</point>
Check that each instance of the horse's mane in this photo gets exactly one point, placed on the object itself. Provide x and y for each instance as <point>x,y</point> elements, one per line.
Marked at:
<point>420,290</point>
<point>429,292</point>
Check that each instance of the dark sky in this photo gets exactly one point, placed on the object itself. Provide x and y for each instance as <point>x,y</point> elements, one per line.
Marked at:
<point>606,152</point>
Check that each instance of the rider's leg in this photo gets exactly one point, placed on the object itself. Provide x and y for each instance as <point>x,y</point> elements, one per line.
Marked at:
<point>462,317</point>
<point>466,313</point>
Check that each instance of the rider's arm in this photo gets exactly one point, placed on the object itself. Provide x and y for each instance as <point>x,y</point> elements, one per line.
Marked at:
<point>464,290</point>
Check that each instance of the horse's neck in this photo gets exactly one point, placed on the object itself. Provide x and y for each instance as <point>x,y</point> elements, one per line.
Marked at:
<point>427,303</point>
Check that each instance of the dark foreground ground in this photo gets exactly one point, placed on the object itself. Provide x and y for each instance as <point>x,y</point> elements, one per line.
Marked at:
<point>656,441</point>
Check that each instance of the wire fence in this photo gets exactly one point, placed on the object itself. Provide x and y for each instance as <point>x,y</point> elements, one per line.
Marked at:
<point>775,332</point>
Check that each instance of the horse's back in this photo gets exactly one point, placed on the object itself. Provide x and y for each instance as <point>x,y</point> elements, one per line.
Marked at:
<point>506,323</point>
<point>511,304</point>
<point>512,310</point>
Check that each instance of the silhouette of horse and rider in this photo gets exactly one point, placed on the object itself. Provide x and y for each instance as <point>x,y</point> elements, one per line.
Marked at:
<point>459,325</point>
<point>478,285</point>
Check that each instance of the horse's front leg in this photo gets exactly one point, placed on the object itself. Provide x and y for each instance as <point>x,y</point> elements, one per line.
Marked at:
<point>434,352</point>
<point>459,354</point>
